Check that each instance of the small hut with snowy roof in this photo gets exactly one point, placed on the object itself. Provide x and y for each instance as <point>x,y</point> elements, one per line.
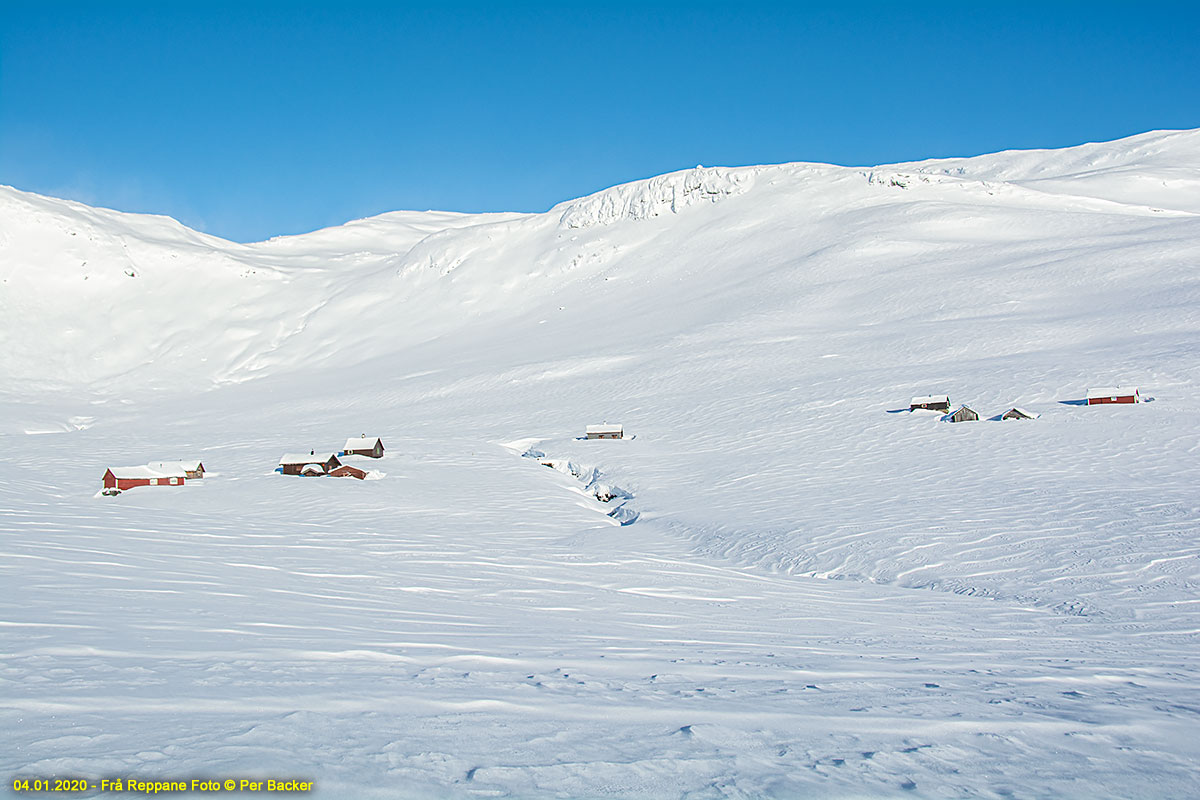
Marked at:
<point>605,431</point>
<point>1018,413</point>
<point>930,402</point>
<point>963,414</point>
<point>370,446</point>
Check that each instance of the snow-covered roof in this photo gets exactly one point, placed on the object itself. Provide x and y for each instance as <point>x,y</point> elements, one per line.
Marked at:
<point>305,458</point>
<point>605,428</point>
<point>1022,412</point>
<point>312,468</point>
<point>362,443</point>
<point>1112,391</point>
<point>186,466</point>
<point>144,471</point>
<point>930,398</point>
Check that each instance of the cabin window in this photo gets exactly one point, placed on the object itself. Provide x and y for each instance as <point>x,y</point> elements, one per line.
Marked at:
<point>174,481</point>
<point>154,481</point>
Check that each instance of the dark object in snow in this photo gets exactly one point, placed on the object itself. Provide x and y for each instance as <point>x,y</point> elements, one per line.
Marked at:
<point>963,414</point>
<point>930,402</point>
<point>347,471</point>
<point>605,431</point>
<point>295,464</point>
<point>363,446</point>
<point>128,477</point>
<point>1018,413</point>
<point>1113,395</point>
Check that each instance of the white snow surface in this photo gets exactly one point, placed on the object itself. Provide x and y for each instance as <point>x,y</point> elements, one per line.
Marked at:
<point>780,588</point>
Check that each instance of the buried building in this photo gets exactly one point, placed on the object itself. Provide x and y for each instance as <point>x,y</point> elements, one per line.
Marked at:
<point>1018,413</point>
<point>310,463</point>
<point>963,414</point>
<point>348,471</point>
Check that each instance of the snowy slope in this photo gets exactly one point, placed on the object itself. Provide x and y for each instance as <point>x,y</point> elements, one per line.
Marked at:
<point>818,594</point>
<point>1156,169</point>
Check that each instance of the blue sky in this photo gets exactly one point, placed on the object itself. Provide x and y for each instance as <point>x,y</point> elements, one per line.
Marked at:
<point>253,119</point>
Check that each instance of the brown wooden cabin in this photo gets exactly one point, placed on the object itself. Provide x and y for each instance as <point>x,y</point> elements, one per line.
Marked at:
<point>364,446</point>
<point>931,402</point>
<point>294,463</point>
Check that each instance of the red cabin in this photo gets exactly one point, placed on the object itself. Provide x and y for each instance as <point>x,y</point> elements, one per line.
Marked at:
<point>123,478</point>
<point>1113,395</point>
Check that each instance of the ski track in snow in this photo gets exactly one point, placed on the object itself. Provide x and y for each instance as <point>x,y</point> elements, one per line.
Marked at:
<point>824,595</point>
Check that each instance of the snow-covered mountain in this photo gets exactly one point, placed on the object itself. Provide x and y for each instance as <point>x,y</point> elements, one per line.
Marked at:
<point>815,592</point>
<point>94,297</point>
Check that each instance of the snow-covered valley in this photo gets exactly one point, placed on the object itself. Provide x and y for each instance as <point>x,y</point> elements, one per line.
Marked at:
<point>822,594</point>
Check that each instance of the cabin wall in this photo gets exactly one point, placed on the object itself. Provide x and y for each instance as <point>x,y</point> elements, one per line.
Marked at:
<point>130,483</point>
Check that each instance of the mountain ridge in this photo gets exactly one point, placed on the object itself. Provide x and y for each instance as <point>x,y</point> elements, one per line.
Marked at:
<point>82,286</point>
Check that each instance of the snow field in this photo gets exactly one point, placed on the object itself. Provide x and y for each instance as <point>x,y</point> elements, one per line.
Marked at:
<point>444,652</point>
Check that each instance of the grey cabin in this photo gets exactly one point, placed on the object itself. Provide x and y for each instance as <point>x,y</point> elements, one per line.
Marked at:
<point>370,446</point>
<point>963,414</point>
